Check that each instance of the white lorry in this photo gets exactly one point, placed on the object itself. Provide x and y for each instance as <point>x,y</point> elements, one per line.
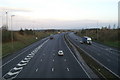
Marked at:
<point>86,40</point>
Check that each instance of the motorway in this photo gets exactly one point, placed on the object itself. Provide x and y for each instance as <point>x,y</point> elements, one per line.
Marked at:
<point>107,56</point>
<point>41,60</point>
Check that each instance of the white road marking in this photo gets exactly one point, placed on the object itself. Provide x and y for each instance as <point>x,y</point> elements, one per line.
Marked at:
<point>24,61</point>
<point>21,64</point>
<point>10,73</point>
<point>53,54</point>
<point>27,58</point>
<point>65,60</point>
<point>41,60</point>
<point>36,70</point>
<point>53,60</point>
<point>29,54</point>
<point>68,69</point>
<point>93,59</point>
<point>52,69</point>
<point>76,59</point>
<point>13,58</point>
<point>17,68</point>
<point>43,54</point>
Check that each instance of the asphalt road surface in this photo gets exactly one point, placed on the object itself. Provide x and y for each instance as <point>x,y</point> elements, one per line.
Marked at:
<point>41,60</point>
<point>107,56</point>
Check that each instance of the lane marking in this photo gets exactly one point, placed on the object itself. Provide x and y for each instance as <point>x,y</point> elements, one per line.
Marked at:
<point>76,59</point>
<point>20,54</point>
<point>96,60</point>
<point>29,54</point>
<point>41,60</point>
<point>65,60</point>
<point>27,58</point>
<point>68,69</point>
<point>13,58</point>
<point>24,61</point>
<point>10,73</point>
<point>53,60</point>
<point>21,64</point>
<point>53,54</point>
<point>15,68</point>
<point>52,69</point>
<point>36,70</point>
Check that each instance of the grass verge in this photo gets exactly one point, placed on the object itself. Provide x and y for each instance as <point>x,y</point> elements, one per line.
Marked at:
<point>22,42</point>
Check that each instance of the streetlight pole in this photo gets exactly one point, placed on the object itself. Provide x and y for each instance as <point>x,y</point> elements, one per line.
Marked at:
<point>97,30</point>
<point>12,31</point>
<point>6,20</point>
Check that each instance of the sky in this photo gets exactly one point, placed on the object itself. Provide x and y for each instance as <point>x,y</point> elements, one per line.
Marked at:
<point>59,14</point>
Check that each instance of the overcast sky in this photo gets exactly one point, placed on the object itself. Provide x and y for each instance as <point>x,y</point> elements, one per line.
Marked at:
<point>64,14</point>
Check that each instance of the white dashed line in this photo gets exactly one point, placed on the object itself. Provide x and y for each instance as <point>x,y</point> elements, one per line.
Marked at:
<point>53,54</point>
<point>36,70</point>
<point>52,69</point>
<point>41,60</point>
<point>65,60</point>
<point>68,69</point>
<point>53,60</point>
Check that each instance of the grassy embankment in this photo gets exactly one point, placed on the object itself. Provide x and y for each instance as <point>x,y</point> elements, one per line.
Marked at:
<point>20,41</point>
<point>108,37</point>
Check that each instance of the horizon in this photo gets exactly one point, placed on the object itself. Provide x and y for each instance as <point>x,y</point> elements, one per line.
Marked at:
<point>64,14</point>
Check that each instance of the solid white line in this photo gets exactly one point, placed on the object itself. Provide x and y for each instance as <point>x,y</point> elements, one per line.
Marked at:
<point>68,69</point>
<point>76,59</point>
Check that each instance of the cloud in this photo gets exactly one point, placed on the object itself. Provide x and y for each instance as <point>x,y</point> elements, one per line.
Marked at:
<point>13,9</point>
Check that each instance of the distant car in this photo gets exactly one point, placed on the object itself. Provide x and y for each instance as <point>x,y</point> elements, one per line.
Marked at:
<point>60,53</point>
<point>51,37</point>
